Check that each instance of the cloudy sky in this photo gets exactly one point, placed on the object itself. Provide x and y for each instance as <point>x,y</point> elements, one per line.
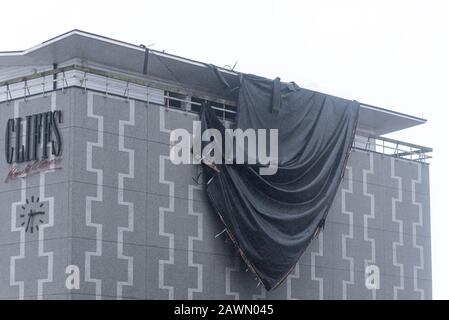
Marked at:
<point>392,54</point>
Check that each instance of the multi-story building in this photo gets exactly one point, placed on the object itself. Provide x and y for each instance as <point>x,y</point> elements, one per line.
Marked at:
<point>88,191</point>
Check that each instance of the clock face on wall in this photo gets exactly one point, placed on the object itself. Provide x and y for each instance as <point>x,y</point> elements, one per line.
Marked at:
<point>32,215</point>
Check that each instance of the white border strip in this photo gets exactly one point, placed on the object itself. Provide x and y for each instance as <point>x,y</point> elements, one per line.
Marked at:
<point>14,228</point>
<point>163,211</point>
<point>51,223</point>
<point>122,202</point>
<point>400,223</point>
<point>350,235</point>
<point>97,198</point>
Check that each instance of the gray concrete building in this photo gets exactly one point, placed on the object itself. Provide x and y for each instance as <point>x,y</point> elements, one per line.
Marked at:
<point>89,195</point>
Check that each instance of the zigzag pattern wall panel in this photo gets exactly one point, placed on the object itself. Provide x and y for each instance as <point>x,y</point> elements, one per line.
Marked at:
<point>136,226</point>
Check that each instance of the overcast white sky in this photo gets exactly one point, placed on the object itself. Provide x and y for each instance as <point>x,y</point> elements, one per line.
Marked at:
<point>392,54</point>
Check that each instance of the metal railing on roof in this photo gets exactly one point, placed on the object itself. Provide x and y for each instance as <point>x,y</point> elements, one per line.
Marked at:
<point>391,147</point>
<point>40,82</point>
<point>135,88</point>
<point>112,83</point>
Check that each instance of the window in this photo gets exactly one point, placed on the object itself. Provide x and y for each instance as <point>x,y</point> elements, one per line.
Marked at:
<point>188,103</point>
<point>175,100</point>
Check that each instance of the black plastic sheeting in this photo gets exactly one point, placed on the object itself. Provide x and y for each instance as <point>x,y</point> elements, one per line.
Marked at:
<point>272,218</point>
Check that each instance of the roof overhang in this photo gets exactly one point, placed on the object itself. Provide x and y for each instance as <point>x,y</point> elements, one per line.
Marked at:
<point>184,72</point>
<point>380,121</point>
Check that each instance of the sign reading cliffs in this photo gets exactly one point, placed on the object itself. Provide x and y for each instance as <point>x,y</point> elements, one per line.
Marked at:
<point>33,139</point>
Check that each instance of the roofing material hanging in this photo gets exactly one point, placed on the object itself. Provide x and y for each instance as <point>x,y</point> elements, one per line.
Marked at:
<point>272,218</point>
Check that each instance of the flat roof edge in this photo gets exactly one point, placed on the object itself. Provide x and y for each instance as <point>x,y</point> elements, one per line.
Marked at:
<point>396,113</point>
<point>403,120</point>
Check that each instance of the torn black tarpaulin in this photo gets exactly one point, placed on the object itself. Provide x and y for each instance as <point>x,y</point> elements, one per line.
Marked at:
<point>219,76</point>
<point>272,218</point>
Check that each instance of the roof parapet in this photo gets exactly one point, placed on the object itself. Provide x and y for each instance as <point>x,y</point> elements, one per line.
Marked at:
<point>174,72</point>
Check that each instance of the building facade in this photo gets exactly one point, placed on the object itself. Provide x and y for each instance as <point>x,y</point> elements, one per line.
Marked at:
<point>88,191</point>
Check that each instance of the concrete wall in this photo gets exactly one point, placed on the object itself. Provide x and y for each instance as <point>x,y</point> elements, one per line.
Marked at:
<point>139,227</point>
